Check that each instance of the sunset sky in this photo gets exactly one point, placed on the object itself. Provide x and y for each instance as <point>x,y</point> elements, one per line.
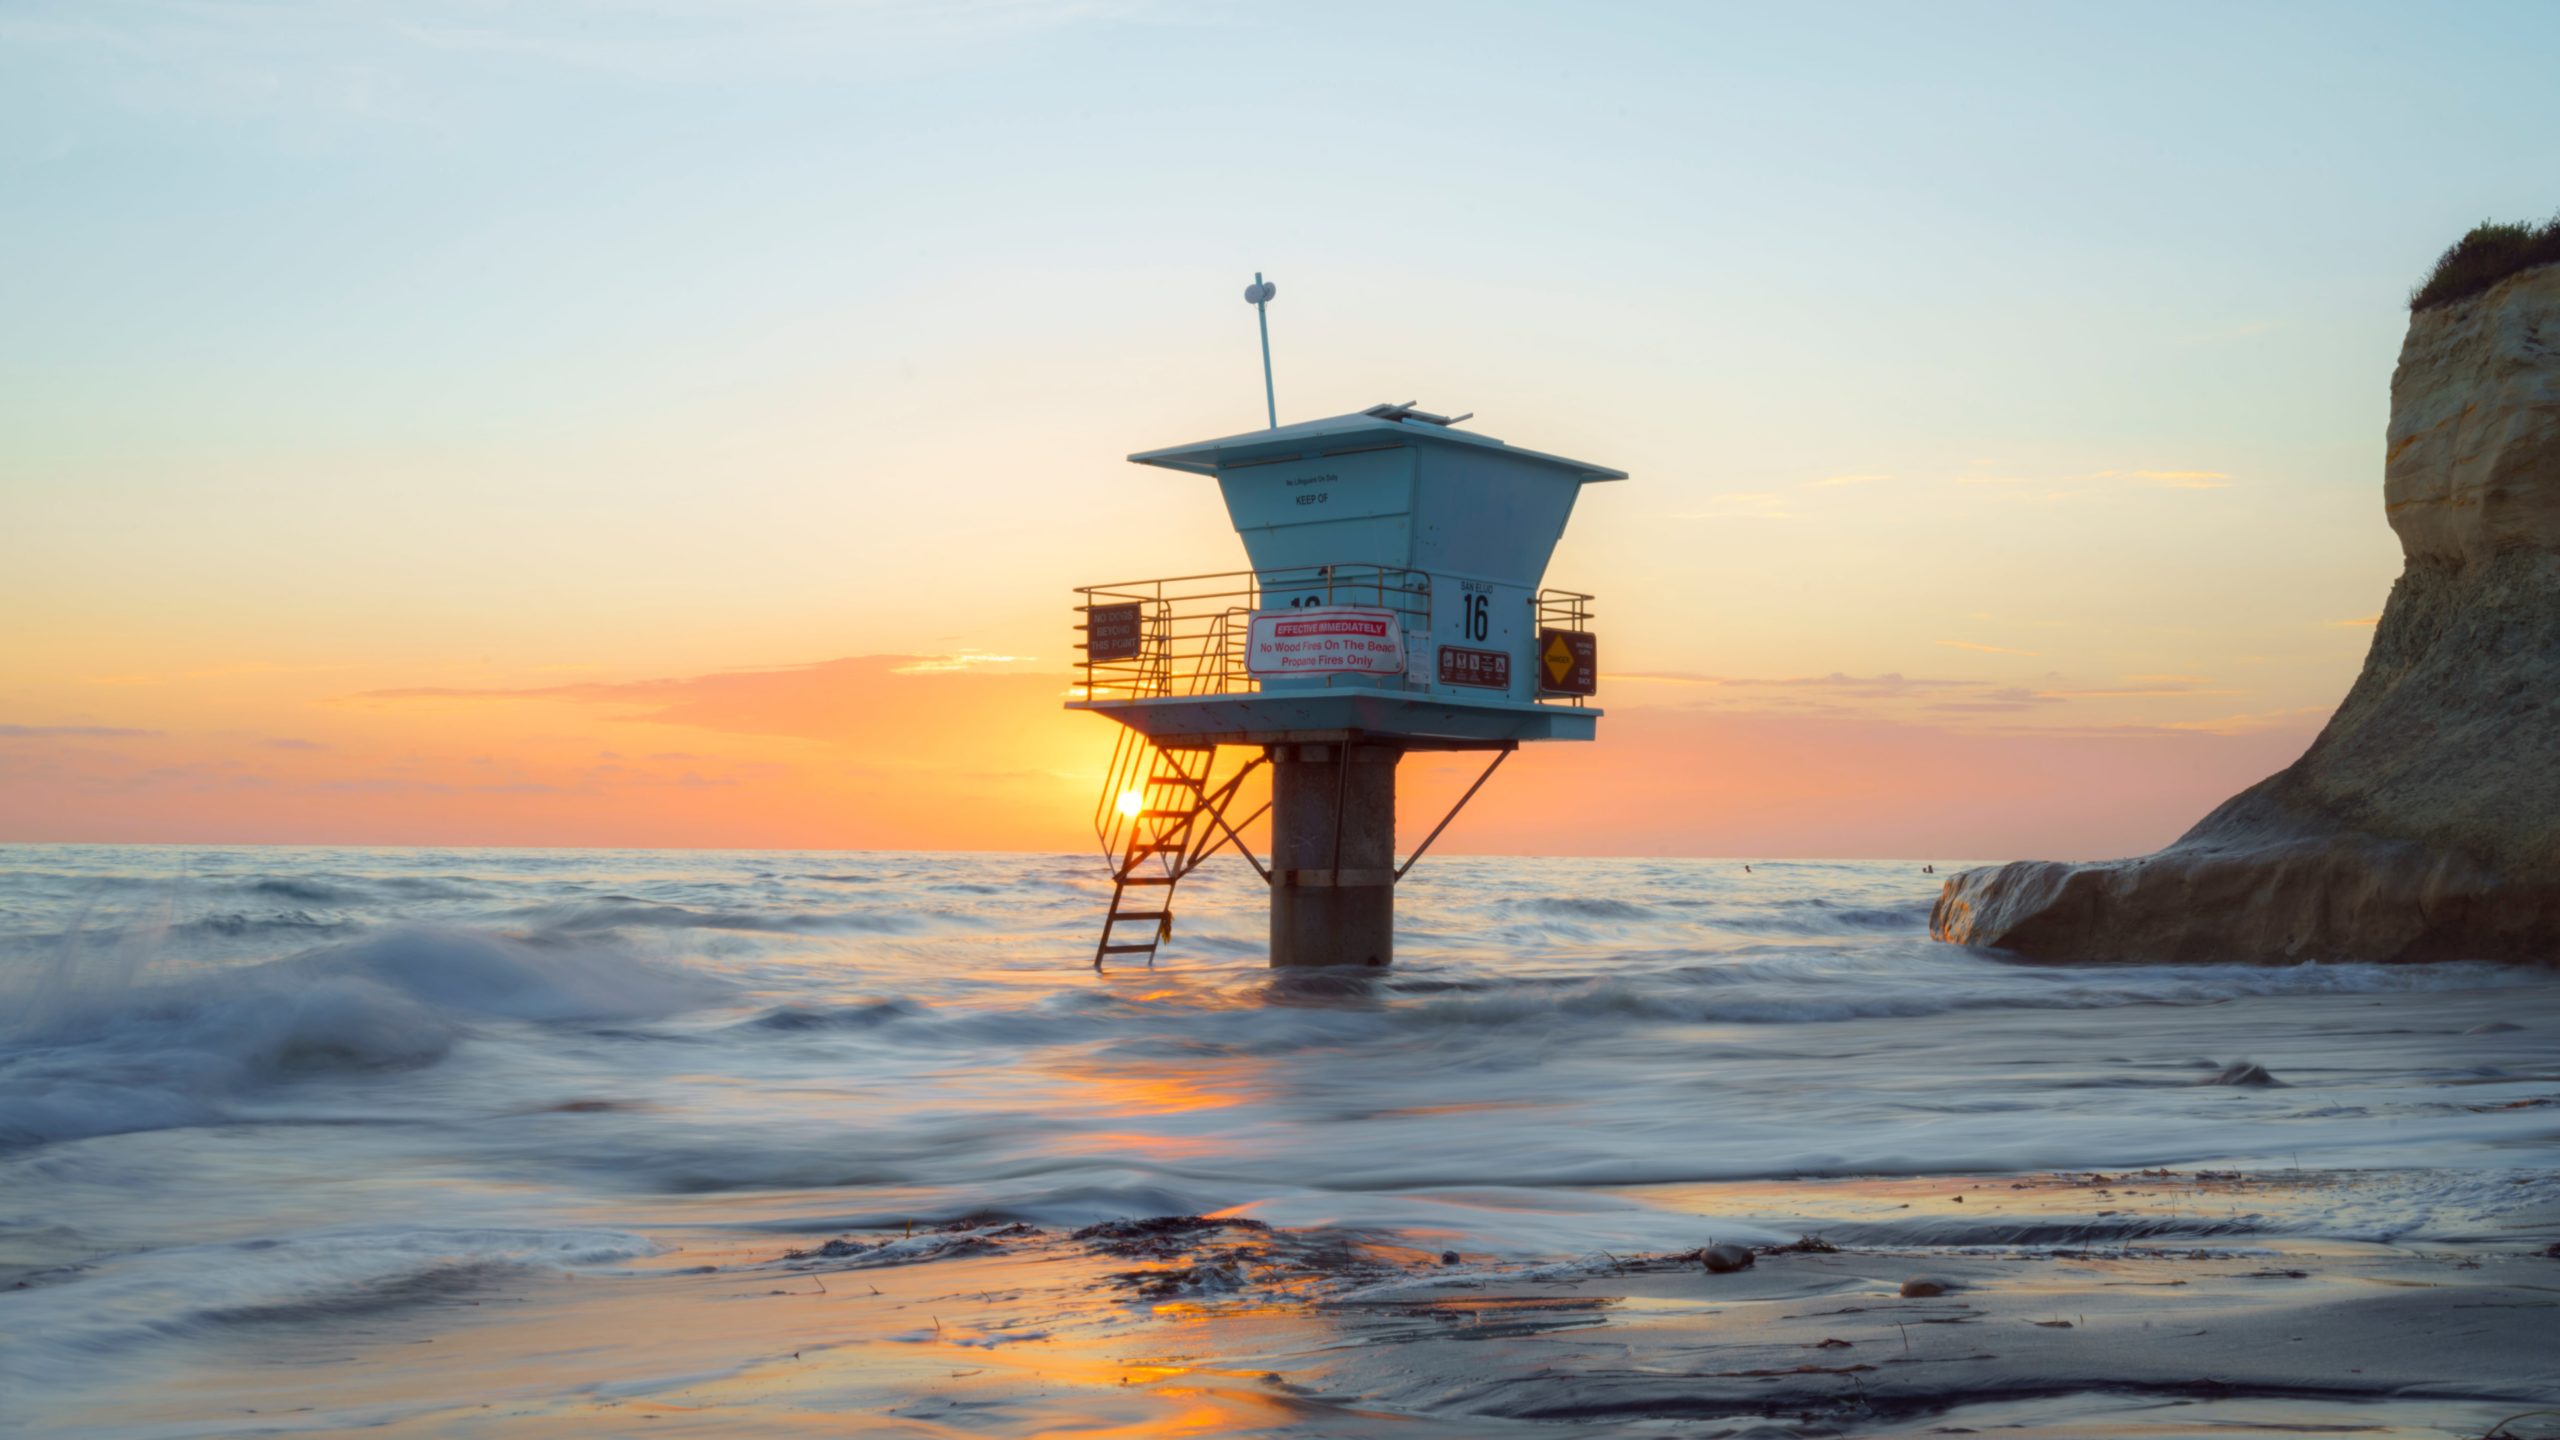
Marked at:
<point>682,423</point>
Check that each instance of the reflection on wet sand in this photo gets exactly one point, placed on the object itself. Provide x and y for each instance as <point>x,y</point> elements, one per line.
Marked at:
<point>1043,1333</point>
<point>606,1144</point>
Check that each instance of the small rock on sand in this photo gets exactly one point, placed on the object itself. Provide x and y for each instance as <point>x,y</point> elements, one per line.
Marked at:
<point>1921,1287</point>
<point>2493,1027</point>
<point>1448,1257</point>
<point>2241,1072</point>
<point>1723,1259</point>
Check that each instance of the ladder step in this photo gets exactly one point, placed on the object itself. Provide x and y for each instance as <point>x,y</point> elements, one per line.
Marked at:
<point>1162,832</point>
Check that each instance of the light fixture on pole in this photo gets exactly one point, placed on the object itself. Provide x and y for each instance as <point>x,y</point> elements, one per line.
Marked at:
<point>1258,295</point>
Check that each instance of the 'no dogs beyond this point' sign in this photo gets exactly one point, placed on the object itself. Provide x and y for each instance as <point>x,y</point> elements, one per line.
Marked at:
<point>1325,640</point>
<point>1113,632</point>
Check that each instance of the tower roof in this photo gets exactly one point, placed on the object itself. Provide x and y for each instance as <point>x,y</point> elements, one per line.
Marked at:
<point>1374,428</point>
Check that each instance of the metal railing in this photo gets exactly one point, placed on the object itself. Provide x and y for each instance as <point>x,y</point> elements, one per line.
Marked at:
<point>1191,630</point>
<point>1564,610</point>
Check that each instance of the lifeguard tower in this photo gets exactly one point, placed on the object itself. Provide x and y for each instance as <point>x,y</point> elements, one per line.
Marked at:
<point>1395,603</point>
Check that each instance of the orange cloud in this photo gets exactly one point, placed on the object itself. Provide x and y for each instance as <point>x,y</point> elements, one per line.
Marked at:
<point>870,752</point>
<point>1695,782</point>
<point>891,752</point>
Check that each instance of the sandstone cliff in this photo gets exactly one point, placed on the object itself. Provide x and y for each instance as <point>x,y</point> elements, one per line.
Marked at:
<point>2424,823</point>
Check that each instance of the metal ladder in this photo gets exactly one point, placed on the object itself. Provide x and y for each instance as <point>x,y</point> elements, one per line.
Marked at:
<point>1161,839</point>
<point>1170,801</point>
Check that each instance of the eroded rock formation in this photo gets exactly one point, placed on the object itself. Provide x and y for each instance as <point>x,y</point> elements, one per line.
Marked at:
<point>2424,823</point>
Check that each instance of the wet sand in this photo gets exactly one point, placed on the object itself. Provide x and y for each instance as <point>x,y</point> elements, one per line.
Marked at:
<point>590,1144</point>
<point>1225,1326</point>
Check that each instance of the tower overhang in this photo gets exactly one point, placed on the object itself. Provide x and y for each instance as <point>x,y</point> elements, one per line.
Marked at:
<point>1417,721</point>
<point>1397,602</point>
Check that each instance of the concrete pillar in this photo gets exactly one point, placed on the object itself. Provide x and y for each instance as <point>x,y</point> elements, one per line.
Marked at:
<point>1333,854</point>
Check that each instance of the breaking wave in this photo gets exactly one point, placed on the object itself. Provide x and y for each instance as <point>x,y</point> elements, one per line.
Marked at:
<point>300,1089</point>
<point>100,1049</point>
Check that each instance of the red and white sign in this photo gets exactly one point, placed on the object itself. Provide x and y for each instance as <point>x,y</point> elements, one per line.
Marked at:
<point>1325,640</point>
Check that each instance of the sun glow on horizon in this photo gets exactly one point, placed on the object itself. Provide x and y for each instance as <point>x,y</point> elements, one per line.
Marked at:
<point>473,535</point>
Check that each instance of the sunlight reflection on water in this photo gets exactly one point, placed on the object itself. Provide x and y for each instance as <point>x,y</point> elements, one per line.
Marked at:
<point>556,1060</point>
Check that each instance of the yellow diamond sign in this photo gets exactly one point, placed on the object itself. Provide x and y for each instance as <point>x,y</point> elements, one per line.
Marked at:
<point>1568,662</point>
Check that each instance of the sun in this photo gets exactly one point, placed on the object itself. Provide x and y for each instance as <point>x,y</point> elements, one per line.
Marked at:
<point>1130,802</point>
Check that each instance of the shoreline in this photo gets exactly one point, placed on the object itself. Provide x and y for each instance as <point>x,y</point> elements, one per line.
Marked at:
<point>1225,1324</point>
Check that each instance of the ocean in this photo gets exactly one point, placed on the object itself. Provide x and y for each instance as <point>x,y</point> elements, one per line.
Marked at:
<point>282,1129</point>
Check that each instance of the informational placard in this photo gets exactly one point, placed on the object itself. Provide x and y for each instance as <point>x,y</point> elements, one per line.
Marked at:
<point>1484,669</point>
<point>1568,662</point>
<point>1112,632</point>
<point>1325,640</point>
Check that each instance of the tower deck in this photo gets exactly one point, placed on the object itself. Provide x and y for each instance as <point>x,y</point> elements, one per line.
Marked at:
<point>1397,603</point>
<point>1418,721</point>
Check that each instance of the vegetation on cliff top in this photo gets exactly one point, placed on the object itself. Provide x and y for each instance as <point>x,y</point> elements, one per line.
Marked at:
<point>2492,251</point>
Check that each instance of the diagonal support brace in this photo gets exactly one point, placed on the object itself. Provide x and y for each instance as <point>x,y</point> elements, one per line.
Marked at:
<point>1215,807</point>
<point>1238,840</point>
<point>1499,756</point>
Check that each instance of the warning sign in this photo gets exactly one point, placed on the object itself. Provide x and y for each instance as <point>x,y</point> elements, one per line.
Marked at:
<point>1325,640</point>
<point>1568,662</point>
<point>1111,632</point>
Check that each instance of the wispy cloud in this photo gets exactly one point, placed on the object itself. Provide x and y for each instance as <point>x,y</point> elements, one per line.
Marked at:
<point>2008,699</point>
<point>1986,649</point>
<point>74,732</point>
<point>849,702</point>
<point>2097,482</point>
<point>2146,692</point>
<point>1890,685</point>
<point>1740,505</point>
<point>2246,330</point>
<point>1662,677</point>
<point>2173,479</point>
<point>1948,696</point>
<point>966,659</point>
<point>2366,622</point>
<point>241,671</point>
<point>2249,724</point>
<point>1832,481</point>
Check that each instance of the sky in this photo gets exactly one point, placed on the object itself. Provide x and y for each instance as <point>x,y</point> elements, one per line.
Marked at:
<point>683,423</point>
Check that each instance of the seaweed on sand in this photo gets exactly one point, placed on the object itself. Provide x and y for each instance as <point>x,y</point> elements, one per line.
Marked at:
<point>1163,1237</point>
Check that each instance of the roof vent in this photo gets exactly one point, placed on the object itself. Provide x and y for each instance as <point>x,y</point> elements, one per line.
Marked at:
<point>1406,413</point>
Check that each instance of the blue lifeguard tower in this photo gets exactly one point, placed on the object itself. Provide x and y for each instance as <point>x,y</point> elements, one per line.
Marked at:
<point>1396,602</point>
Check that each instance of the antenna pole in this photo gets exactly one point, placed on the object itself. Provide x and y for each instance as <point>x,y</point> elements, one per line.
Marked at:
<point>1262,315</point>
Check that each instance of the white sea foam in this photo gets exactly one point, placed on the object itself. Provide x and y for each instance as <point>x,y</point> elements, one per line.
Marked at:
<point>438,1045</point>
<point>123,1300</point>
<point>106,1048</point>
